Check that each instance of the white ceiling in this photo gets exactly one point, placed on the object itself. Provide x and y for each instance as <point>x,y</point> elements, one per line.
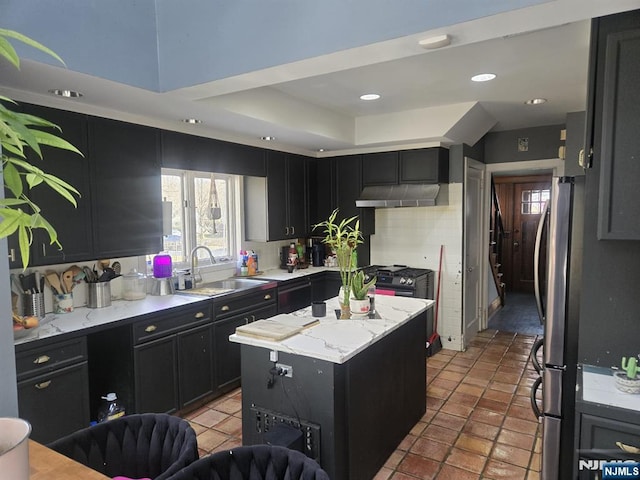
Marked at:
<point>427,96</point>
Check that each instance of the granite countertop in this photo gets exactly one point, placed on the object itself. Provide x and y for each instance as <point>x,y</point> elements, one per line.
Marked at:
<point>337,340</point>
<point>84,318</point>
<point>598,387</point>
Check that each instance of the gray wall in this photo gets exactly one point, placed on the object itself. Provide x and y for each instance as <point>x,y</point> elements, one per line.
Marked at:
<point>574,143</point>
<point>502,147</point>
<point>456,159</point>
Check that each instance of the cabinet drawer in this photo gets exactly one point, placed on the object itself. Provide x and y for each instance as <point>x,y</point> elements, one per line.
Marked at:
<point>170,322</point>
<point>44,358</point>
<point>223,308</point>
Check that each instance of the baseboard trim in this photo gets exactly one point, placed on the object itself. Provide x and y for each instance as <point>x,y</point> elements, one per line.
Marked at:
<point>494,306</point>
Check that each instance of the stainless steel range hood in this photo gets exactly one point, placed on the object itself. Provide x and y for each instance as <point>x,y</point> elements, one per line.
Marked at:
<point>405,195</point>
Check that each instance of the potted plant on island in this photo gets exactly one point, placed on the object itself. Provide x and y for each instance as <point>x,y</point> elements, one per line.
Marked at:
<point>360,304</point>
<point>343,237</point>
<point>628,380</point>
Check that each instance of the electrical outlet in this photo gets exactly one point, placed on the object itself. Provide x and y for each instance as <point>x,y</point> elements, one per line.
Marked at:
<point>287,370</point>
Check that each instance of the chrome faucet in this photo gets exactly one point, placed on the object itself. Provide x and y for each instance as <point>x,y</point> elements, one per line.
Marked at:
<point>194,262</point>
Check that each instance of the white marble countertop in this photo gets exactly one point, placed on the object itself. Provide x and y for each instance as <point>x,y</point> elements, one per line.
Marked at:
<point>281,274</point>
<point>83,318</point>
<point>337,340</point>
<point>598,386</point>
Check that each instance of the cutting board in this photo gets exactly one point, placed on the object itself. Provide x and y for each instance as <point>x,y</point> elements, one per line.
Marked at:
<point>276,328</point>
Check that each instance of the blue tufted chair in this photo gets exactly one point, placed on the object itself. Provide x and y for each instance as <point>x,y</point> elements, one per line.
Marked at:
<point>256,462</point>
<point>147,445</point>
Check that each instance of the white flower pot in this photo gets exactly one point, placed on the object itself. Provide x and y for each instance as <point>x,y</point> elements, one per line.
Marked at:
<point>14,448</point>
<point>359,308</point>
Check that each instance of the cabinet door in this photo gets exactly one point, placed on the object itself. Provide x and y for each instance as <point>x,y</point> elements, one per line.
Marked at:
<point>195,364</point>
<point>616,146</point>
<point>156,376</point>
<point>278,226</point>
<point>349,187</point>
<point>322,193</point>
<point>380,169</point>
<point>227,354</point>
<point>297,196</point>
<point>57,403</point>
<point>126,188</point>
<point>424,165</point>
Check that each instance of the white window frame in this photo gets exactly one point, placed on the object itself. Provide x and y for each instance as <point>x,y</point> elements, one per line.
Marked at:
<point>188,216</point>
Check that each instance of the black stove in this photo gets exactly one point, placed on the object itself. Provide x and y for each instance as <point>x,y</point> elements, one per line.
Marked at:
<point>402,280</point>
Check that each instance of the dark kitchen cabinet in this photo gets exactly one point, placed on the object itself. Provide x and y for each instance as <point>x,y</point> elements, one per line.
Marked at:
<point>230,313</point>
<point>276,207</point>
<point>322,191</point>
<point>125,187</point>
<point>190,152</point>
<point>160,363</point>
<point>424,165</point>
<point>195,364</point>
<point>156,376</point>
<point>613,110</point>
<point>53,387</point>
<point>72,224</point>
<point>348,188</point>
<point>380,169</point>
<point>294,294</point>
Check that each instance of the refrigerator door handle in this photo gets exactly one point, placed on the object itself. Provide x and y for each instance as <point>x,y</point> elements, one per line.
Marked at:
<point>536,263</point>
<point>534,403</point>
<point>534,355</point>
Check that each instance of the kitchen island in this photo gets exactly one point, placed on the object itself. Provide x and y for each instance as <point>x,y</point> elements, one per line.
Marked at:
<point>354,388</point>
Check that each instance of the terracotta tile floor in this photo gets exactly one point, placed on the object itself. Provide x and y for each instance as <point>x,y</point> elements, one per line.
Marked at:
<point>478,424</point>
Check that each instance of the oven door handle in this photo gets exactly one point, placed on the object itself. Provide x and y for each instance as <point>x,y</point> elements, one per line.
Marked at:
<point>404,293</point>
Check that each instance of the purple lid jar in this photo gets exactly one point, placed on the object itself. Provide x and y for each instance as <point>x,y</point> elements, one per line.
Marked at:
<point>162,266</point>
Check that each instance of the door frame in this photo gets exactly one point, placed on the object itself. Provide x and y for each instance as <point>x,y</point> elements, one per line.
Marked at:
<point>470,163</point>
<point>531,167</point>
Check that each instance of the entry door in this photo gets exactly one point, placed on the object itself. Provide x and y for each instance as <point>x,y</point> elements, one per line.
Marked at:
<point>473,250</point>
<point>529,201</point>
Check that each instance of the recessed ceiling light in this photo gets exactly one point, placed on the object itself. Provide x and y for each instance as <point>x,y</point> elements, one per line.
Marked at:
<point>321,149</point>
<point>192,121</point>
<point>268,138</point>
<point>437,41</point>
<point>369,96</point>
<point>483,77</point>
<point>536,101</point>
<point>65,93</point>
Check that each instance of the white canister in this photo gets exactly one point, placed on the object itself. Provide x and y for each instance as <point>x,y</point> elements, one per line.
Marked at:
<point>14,448</point>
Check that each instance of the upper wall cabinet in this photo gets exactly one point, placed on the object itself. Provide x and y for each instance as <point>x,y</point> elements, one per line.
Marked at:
<point>424,165</point>
<point>276,206</point>
<point>125,187</point>
<point>380,169</point>
<point>322,190</point>
<point>189,152</point>
<point>613,123</point>
<point>73,225</point>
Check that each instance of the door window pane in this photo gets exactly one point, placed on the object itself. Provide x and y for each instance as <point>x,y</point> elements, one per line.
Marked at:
<point>532,201</point>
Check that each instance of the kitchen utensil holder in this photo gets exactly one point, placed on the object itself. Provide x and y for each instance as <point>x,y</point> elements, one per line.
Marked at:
<point>63,303</point>
<point>33,305</point>
<point>98,294</point>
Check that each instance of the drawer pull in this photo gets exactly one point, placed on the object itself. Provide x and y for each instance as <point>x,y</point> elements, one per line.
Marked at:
<point>225,308</point>
<point>41,359</point>
<point>43,385</point>
<point>267,296</point>
<point>199,315</point>
<point>628,448</point>
<point>151,328</point>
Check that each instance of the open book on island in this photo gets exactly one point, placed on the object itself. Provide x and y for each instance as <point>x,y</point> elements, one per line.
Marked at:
<point>276,328</point>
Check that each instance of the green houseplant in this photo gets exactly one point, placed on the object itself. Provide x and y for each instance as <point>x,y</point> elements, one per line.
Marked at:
<point>343,237</point>
<point>359,288</point>
<point>19,134</point>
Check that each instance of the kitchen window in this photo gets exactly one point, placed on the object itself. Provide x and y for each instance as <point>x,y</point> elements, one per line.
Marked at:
<point>203,212</point>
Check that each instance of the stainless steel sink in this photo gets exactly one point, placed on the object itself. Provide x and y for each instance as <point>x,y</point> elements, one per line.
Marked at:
<point>220,287</point>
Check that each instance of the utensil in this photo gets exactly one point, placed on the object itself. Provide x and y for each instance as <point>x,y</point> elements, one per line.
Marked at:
<point>117,268</point>
<point>67,280</point>
<point>53,281</point>
<point>16,286</point>
<point>89,276</point>
<point>104,264</point>
<point>62,284</point>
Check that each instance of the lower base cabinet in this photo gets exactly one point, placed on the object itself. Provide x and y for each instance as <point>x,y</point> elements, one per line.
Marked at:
<point>53,388</point>
<point>195,364</point>
<point>155,367</point>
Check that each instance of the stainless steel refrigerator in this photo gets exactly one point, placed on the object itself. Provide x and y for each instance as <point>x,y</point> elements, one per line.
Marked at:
<point>555,356</point>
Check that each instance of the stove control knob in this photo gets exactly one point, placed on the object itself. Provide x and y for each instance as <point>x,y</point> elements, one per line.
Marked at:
<point>403,281</point>
<point>409,281</point>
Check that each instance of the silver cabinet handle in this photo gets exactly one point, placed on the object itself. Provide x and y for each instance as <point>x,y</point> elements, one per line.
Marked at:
<point>293,230</point>
<point>151,328</point>
<point>225,308</point>
<point>41,359</point>
<point>43,385</point>
<point>286,231</point>
<point>199,315</point>
<point>12,254</point>
<point>267,296</point>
